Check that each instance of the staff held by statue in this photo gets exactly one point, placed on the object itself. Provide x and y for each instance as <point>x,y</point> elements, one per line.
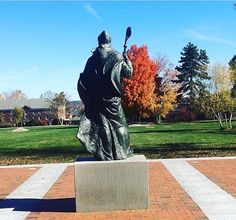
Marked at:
<point>127,36</point>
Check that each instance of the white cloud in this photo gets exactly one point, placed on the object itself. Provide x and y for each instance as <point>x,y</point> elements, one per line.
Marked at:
<point>92,11</point>
<point>28,71</point>
<point>200,35</point>
<point>17,79</point>
<point>34,81</point>
<point>17,74</point>
<point>64,71</point>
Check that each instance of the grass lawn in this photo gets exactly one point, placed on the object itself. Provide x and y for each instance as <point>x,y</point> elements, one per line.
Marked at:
<point>59,144</point>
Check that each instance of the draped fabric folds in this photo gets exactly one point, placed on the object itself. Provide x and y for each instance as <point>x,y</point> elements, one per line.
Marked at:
<point>103,129</point>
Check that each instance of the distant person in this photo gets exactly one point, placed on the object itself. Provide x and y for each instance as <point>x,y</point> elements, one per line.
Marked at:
<point>103,129</point>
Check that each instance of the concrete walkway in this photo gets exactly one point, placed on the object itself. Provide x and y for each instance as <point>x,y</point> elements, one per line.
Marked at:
<point>202,188</point>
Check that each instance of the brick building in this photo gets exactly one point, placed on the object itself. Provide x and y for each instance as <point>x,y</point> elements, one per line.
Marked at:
<point>37,110</point>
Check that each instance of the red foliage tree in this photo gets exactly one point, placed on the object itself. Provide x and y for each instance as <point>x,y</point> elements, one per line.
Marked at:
<point>140,97</point>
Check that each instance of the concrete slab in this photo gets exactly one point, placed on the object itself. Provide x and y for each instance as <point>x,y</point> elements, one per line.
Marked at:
<point>111,185</point>
<point>212,200</point>
<point>167,198</point>
<point>33,188</point>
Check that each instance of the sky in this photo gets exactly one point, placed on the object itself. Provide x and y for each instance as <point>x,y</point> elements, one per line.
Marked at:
<point>44,45</point>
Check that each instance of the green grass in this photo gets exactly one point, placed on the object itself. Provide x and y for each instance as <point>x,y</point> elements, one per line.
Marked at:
<point>39,137</point>
<point>196,139</point>
<point>39,145</point>
<point>59,144</point>
<point>198,134</point>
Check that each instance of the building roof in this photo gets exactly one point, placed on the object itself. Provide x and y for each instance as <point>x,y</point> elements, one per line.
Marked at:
<point>20,103</point>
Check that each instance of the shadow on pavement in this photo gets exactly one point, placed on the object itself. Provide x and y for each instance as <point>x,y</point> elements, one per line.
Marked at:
<point>39,205</point>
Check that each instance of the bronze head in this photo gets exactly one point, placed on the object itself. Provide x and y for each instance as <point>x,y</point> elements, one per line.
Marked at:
<point>104,38</point>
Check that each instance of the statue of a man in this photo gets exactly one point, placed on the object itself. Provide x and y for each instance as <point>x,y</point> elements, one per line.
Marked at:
<point>103,129</point>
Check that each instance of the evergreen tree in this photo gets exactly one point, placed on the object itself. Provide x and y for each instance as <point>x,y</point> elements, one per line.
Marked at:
<point>232,68</point>
<point>193,75</point>
<point>232,63</point>
<point>204,61</point>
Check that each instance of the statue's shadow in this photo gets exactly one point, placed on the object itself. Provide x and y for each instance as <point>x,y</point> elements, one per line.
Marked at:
<point>39,205</point>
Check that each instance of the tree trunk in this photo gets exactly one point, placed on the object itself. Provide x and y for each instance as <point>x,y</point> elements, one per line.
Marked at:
<point>158,119</point>
<point>218,117</point>
<point>220,121</point>
<point>230,120</point>
<point>61,121</point>
<point>226,120</point>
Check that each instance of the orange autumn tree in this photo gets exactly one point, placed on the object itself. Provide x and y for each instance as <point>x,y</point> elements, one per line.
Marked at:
<point>140,91</point>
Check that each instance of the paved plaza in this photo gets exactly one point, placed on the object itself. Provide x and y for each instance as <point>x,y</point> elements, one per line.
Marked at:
<point>203,188</point>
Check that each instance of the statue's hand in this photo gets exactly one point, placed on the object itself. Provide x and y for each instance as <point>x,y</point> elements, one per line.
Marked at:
<point>125,57</point>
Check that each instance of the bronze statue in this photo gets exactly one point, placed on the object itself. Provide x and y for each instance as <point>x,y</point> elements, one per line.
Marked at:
<point>103,129</point>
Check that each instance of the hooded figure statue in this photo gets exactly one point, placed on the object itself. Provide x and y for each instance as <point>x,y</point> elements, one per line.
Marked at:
<point>103,129</point>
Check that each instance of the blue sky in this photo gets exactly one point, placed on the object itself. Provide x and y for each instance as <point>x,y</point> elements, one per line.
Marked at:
<point>44,45</point>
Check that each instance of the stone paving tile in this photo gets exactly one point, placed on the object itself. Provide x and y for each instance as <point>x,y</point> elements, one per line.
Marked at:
<point>11,178</point>
<point>167,201</point>
<point>64,187</point>
<point>221,172</point>
<point>62,197</point>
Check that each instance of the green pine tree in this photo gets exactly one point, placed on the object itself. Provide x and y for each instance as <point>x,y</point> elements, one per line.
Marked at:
<point>193,75</point>
<point>232,67</point>
<point>232,63</point>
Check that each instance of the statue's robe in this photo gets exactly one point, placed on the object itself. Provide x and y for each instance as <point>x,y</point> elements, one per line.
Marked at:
<point>103,129</point>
